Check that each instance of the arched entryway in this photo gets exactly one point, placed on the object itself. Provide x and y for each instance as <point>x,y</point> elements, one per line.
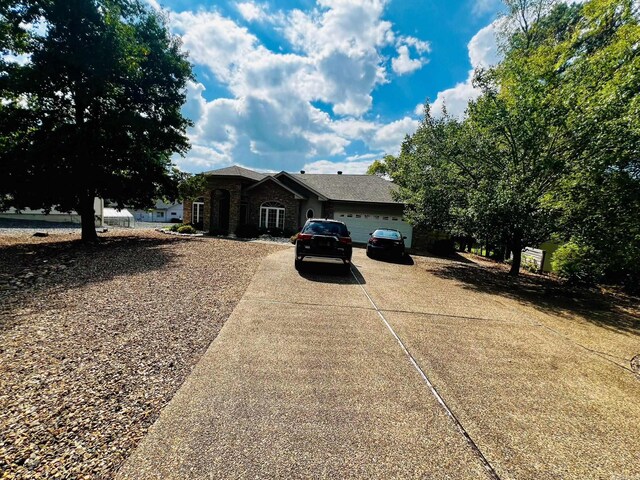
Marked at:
<point>220,203</point>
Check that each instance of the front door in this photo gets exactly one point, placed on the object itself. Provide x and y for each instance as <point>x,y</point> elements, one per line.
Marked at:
<point>220,212</point>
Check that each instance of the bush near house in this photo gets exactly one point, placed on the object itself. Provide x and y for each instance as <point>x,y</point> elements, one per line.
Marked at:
<point>247,231</point>
<point>186,229</point>
<point>577,263</point>
<point>180,228</point>
<point>251,231</point>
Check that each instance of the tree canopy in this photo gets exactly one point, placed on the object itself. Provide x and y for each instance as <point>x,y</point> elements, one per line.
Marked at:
<point>91,94</point>
<point>551,147</point>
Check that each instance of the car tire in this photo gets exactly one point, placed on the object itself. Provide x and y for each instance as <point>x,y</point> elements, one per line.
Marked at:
<point>369,254</point>
<point>298,264</point>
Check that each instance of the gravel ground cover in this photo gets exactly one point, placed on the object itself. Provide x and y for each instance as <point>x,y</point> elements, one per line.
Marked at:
<point>95,340</point>
<point>12,227</point>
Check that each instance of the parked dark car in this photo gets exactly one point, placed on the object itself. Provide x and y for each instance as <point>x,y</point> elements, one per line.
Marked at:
<point>323,240</point>
<point>386,242</point>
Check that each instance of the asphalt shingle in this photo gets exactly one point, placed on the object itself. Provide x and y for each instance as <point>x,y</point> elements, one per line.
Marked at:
<point>236,171</point>
<point>350,188</point>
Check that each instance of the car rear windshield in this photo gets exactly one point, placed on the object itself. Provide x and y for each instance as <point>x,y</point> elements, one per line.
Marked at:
<point>392,234</point>
<point>326,228</point>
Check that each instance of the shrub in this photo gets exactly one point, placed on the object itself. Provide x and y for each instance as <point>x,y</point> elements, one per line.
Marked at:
<point>175,227</point>
<point>247,231</point>
<point>530,265</point>
<point>275,232</point>
<point>577,263</point>
<point>186,229</point>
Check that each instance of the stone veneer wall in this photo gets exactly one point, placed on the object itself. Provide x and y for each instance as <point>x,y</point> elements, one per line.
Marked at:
<point>187,210</point>
<point>270,192</point>
<point>234,187</point>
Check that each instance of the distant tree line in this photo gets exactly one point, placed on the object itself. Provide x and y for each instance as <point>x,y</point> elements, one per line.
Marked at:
<point>550,149</point>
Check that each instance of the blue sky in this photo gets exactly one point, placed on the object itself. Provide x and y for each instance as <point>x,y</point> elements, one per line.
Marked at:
<point>322,85</point>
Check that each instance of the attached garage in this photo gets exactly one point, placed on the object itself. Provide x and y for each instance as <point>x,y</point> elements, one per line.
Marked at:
<point>360,224</point>
<point>363,202</point>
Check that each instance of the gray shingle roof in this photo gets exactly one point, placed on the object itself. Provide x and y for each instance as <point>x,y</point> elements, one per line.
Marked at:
<point>349,188</point>
<point>346,188</point>
<point>236,171</point>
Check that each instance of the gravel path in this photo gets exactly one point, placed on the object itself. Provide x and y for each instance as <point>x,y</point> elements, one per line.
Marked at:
<point>95,340</point>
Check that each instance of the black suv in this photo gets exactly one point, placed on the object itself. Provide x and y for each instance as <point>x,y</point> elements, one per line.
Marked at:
<point>323,240</point>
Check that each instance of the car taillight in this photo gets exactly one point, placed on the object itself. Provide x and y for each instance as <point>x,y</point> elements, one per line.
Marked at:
<point>346,240</point>
<point>374,241</point>
<point>304,236</point>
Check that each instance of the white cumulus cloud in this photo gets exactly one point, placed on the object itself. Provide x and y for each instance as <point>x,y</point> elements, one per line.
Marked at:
<point>483,53</point>
<point>403,63</point>
<point>334,57</point>
<point>327,166</point>
<point>482,7</point>
<point>388,138</point>
<point>252,12</point>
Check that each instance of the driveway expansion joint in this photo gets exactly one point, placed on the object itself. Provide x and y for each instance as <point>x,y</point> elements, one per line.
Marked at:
<point>472,444</point>
<point>311,304</point>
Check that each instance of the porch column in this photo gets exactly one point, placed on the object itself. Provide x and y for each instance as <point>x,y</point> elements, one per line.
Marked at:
<point>208,197</point>
<point>234,207</point>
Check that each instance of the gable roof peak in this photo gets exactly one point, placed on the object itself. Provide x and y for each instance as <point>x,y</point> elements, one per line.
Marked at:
<point>236,171</point>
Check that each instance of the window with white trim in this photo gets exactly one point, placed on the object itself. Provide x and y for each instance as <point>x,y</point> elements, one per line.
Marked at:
<point>272,215</point>
<point>197,212</point>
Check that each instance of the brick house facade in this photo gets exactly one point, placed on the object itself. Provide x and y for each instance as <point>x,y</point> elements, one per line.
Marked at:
<point>271,192</point>
<point>236,196</point>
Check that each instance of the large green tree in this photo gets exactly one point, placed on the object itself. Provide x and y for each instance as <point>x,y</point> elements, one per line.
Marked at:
<point>599,197</point>
<point>551,146</point>
<point>91,107</point>
<point>489,175</point>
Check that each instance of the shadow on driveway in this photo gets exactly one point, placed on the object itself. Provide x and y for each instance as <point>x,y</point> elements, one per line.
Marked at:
<point>406,260</point>
<point>546,295</point>
<point>330,273</point>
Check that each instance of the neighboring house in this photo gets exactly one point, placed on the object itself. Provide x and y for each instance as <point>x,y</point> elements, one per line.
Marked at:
<point>161,212</point>
<point>237,196</point>
<point>54,215</point>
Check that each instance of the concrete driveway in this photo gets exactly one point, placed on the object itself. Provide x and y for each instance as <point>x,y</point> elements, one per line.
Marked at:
<point>396,372</point>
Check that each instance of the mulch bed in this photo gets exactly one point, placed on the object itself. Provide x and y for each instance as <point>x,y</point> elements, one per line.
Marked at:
<point>96,339</point>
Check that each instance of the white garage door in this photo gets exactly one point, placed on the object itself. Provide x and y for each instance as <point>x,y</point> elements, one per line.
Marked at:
<point>361,224</point>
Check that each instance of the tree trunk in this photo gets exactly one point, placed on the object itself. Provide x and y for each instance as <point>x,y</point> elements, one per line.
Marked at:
<point>87,217</point>
<point>470,242</point>
<point>516,248</point>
